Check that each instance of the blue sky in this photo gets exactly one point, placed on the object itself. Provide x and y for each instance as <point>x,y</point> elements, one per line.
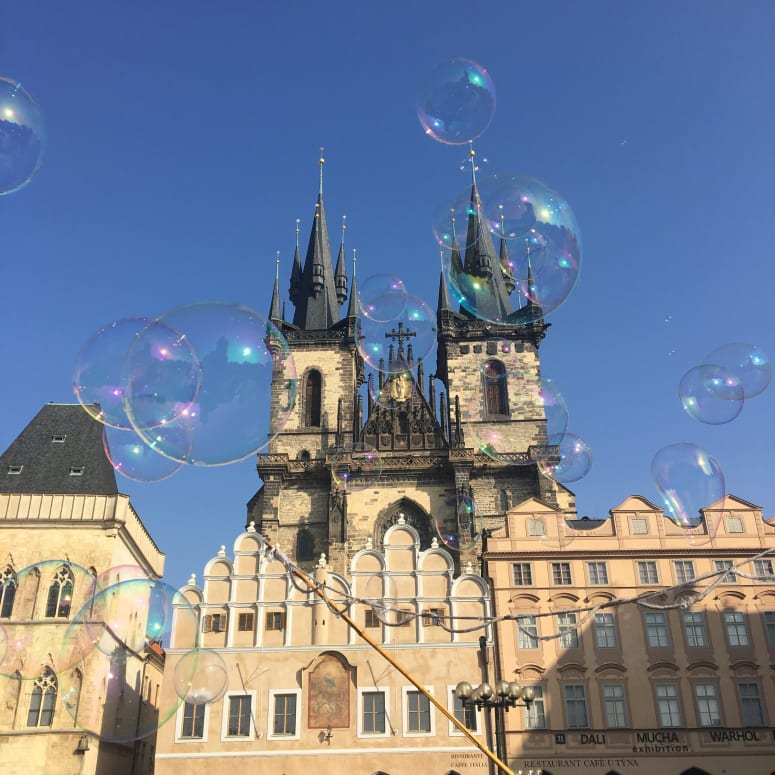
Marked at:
<point>183,141</point>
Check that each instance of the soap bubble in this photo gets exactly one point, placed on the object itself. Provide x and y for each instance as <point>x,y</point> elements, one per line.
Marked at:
<point>246,363</point>
<point>382,297</point>
<point>356,467</point>
<point>459,525</point>
<point>745,362</point>
<point>457,102</point>
<point>22,136</point>
<point>47,591</point>
<point>575,459</point>
<point>687,478</point>
<point>103,373</point>
<point>711,394</point>
<point>200,677</point>
<point>398,386</point>
<point>453,224</point>
<point>134,458</point>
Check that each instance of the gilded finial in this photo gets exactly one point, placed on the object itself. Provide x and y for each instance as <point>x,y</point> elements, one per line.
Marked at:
<point>277,265</point>
<point>344,224</point>
<point>321,161</point>
<point>355,259</point>
<point>503,217</point>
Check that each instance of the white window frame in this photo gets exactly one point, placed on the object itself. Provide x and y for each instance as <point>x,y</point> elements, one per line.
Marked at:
<point>647,565</point>
<point>639,521</point>
<point>748,722</point>
<point>227,738</point>
<point>660,626</point>
<point>764,570</point>
<point>699,626</point>
<point>707,701</point>
<point>179,738</point>
<point>617,703</point>
<point>735,525</point>
<point>540,698</point>
<point>523,636</point>
<point>605,629</point>
<point>453,730</point>
<point>561,567</point>
<point>670,701</point>
<point>593,569</point>
<point>388,721</point>
<point>735,624</point>
<point>270,735</point>
<point>405,690</point>
<point>684,565</point>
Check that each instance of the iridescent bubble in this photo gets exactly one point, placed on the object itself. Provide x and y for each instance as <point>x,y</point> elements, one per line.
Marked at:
<point>575,459</point>
<point>414,331</point>
<point>380,592</point>
<point>22,136</point>
<point>687,478</point>
<point>382,297</point>
<point>135,458</point>
<point>457,102</point>
<point>453,224</point>
<point>549,398</point>
<point>711,394</point>
<point>46,591</point>
<point>748,363</point>
<point>392,388</point>
<point>459,525</point>
<point>556,532</point>
<point>102,373</point>
<point>356,467</point>
<point>246,362</point>
<point>200,677</point>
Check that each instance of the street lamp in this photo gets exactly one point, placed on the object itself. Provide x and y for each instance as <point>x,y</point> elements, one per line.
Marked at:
<point>505,695</point>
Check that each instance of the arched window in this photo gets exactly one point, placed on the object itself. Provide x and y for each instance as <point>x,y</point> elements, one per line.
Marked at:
<point>305,546</point>
<point>60,593</point>
<point>7,592</point>
<point>43,700</point>
<point>312,395</point>
<point>496,396</point>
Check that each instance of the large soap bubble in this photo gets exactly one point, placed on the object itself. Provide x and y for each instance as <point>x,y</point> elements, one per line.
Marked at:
<point>133,458</point>
<point>457,102</point>
<point>745,362</point>
<point>711,394</point>
<point>22,136</point>
<point>575,459</point>
<point>200,676</point>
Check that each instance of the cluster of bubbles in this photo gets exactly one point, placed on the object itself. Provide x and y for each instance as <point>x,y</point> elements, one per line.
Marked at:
<point>109,624</point>
<point>182,388</point>
<point>714,391</point>
<point>540,256</point>
<point>22,136</point>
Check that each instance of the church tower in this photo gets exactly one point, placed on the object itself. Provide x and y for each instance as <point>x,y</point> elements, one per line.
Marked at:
<point>447,453</point>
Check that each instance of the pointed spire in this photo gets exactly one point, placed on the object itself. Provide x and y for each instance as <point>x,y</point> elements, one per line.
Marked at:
<point>505,260</point>
<point>293,292</point>
<point>340,274</point>
<point>444,303</point>
<point>274,306</point>
<point>352,308</point>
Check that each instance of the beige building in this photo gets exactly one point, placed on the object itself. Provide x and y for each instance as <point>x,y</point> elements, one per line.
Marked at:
<point>300,683</point>
<point>67,707</point>
<point>651,648</point>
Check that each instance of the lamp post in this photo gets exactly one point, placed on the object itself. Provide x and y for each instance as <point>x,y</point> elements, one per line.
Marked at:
<point>501,697</point>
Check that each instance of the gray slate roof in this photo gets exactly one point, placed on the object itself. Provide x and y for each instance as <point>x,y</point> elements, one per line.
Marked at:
<point>46,463</point>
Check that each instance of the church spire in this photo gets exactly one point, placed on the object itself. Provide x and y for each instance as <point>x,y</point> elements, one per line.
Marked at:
<point>340,274</point>
<point>274,307</point>
<point>352,307</point>
<point>293,292</point>
<point>316,299</point>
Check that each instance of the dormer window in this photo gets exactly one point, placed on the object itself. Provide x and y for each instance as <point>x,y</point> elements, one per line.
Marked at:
<point>76,470</point>
<point>58,438</point>
<point>15,469</point>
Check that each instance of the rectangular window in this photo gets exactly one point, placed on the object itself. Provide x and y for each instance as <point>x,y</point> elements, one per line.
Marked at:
<point>284,715</point>
<point>763,570</point>
<point>76,470</point>
<point>752,714</point>
<point>707,705</point>
<point>523,574</point>
<point>372,620</point>
<point>576,706</point>
<point>737,632</point>
<point>694,627</point>
<point>219,622</point>
<point>734,525</point>
<point>373,718</point>
<point>535,527</point>
<point>14,470</point>
<point>275,620</point>
<point>527,628</point>
<point>193,725</point>
<point>729,576</point>
<point>238,724</point>
<point>433,617</point>
<point>605,631</point>
<point>668,705</point>
<point>684,571</point>
<point>566,627</point>
<point>418,712</point>
<point>59,438</point>
<point>614,705</point>
<point>647,572</point>
<point>656,630</point>
<point>561,574</point>
<point>245,622</point>
<point>639,526</point>
<point>535,712</point>
<point>597,572</point>
<point>769,626</point>
<point>465,714</point>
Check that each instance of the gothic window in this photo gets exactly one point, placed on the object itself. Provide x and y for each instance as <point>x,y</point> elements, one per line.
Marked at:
<point>60,594</point>
<point>7,592</point>
<point>496,397</point>
<point>43,700</point>
<point>418,521</point>
<point>305,546</point>
<point>312,399</point>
